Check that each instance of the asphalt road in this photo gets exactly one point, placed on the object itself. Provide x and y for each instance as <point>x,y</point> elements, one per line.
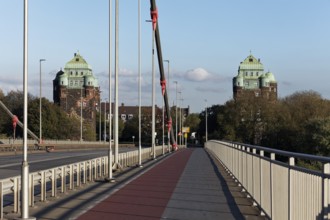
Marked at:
<point>10,165</point>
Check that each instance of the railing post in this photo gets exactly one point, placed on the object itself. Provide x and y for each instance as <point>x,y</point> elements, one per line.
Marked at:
<point>102,166</point>
<point>90,171</point>
<point>78,174</point>
<point>1,200</point>
<point>85,172</point>
<point>290,202</point>
<point>31,187</point>
<point>43,186</point>
<point>71,177</point>
<point>106,166</point>
<point>63,180</point>
<point>254,152</point>
<point>16,195</point>
<point>261,153</point>
<point>272,159</point>
<point>326,191</point>
<point>95,169</point>
<point>242,167</point>
<point>247,169</point>
<point>54,185</point>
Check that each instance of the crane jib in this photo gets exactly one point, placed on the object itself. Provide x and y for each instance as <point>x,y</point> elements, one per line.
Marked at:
<point>154,17</point>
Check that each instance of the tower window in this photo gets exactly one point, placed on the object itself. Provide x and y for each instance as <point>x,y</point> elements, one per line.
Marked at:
<point>250,60</point>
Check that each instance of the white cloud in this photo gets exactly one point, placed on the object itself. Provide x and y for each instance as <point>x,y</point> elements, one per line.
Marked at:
<point>127,73</point>
<point>197,75</point>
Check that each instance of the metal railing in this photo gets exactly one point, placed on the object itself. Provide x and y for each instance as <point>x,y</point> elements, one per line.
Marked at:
<point>56,180</point>
<point>277,185</point>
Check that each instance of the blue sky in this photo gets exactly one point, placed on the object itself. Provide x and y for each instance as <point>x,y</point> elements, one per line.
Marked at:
<point>204,40</point>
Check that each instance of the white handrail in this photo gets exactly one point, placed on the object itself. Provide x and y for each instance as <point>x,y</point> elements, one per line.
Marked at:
<point>280,188</point>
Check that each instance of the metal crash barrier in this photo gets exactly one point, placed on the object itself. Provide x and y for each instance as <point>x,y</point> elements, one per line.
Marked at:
<point>50,182</point>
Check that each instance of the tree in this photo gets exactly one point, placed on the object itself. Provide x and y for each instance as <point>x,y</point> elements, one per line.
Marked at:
<point>131,129</point>
<point>192,121</point>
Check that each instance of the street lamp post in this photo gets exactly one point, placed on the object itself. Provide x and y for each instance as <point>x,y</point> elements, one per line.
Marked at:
<point>81,111</point>
<point>153,95</point>
<point>205,120</point>
<point>116,112</point>
<point>181,121</point>
<point>110,178</point>
<point>180,130</point>
<point>25,165</point>
<point>139,64</point>
<point>163,118</point>
<point>168,97</point>
<point>105,121</point>
<point>40,106</point>
<point>153,100</point>
<point>100,114</point>
<point>176,111</point>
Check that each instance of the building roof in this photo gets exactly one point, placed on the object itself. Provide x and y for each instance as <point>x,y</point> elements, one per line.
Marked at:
<point>77,73</point>
<point>77,62</point>
<point>251,63</point>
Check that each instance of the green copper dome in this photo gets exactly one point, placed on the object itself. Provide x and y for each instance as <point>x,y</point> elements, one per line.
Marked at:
<point>270,77</point>
<point>77,62</point>
<point>77,73</point>
<point>251,63</point>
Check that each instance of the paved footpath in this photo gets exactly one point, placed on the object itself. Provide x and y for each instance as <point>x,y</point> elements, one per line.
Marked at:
<point>186,185</point>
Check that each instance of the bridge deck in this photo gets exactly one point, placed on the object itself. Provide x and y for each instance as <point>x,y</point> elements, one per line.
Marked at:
<point>186,185</point>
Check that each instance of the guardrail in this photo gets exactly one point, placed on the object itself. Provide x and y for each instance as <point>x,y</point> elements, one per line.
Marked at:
<point>282,190</point>
<point>50,141</point>
<point>49,182</point>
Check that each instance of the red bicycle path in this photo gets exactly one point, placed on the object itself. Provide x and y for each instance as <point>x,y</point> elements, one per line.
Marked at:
<point>147,196</point>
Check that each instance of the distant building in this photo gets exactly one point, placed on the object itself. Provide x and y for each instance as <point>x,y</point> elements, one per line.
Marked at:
<point>76,90</point>
<point>129,112</point>
<point>251,80</point>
